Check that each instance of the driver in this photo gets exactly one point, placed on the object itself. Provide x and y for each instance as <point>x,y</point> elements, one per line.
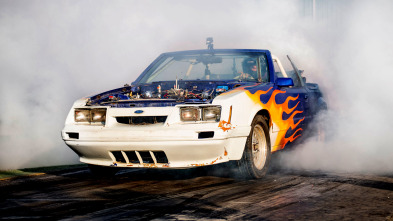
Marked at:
<point>249,69</point>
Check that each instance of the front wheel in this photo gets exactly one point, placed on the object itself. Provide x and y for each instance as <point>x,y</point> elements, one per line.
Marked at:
<point>256,156</point>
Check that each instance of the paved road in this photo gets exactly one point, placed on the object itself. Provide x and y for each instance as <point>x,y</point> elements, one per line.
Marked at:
<point>170,195</point>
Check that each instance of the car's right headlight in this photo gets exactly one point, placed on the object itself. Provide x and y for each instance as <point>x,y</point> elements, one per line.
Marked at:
<point>98,115</point>
<point>95,115</point>
<point>82,115</point>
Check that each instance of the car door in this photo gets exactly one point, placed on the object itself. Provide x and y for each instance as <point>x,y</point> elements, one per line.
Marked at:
<point>297,97</point>
<point>301,88</point>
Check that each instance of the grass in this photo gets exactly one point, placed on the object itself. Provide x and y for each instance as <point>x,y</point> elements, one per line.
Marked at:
<point>6,174</point>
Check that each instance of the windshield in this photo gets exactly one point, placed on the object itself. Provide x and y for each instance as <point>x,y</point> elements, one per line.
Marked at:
<point>220,67</point>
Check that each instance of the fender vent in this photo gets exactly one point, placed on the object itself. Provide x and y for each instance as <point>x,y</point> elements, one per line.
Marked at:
<point>145,120</point>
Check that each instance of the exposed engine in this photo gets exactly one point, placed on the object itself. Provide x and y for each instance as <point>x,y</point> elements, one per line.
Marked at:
<point>166,93</point>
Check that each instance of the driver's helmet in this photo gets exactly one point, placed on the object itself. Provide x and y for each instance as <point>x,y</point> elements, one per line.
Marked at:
<point>250,66</point>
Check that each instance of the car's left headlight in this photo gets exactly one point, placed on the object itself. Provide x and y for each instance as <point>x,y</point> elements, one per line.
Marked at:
<point>211,113</point>
<point>203,113</point>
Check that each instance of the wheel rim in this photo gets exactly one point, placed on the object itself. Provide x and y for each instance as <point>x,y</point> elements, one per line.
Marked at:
<point>259,150</point>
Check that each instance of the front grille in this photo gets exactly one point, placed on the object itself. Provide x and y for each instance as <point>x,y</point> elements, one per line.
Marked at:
<point>140,157</point>
<point>144,120</point>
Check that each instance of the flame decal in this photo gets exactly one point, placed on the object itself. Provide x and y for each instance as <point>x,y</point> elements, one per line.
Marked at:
<point>277,111</point>
<point>226,125</point>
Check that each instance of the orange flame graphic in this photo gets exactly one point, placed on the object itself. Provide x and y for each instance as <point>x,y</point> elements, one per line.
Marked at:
<point>226,125</point>
<point>276,112</point>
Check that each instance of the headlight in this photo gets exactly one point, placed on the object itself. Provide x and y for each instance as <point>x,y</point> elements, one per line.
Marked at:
<point>90,115</point>
<point>211,113</point>
<point>206,113</point>
<point>189,114</point>
<point>82,115</point>
<point>98,115</point>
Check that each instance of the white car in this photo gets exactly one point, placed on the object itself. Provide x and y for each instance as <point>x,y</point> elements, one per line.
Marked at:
<point>195,108</point>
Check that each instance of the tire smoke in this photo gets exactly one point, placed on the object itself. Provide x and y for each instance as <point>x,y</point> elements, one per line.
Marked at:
<point>355,64</point>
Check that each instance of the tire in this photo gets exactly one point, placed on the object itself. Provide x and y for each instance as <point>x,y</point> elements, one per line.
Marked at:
<point>255,161</point>
<point>102,171</point>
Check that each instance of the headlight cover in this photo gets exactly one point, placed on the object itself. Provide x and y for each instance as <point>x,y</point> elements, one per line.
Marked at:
<point>82,115</point>
<point>96,115</point>
<point>189,114</point>
<point>211,113</point>
<point>194,113</point>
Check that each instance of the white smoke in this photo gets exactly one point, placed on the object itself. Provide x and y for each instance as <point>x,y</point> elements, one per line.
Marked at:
<point>53,53</point>
<point>355,74</point>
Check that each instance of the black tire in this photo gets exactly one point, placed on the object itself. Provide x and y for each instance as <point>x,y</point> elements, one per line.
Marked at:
<point>102,171</point>
<point>255,161</point>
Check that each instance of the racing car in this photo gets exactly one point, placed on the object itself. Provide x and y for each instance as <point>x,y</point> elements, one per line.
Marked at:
<point>196,108</point>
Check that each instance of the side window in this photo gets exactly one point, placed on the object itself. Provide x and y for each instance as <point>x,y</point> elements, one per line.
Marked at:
<point>264,68</point>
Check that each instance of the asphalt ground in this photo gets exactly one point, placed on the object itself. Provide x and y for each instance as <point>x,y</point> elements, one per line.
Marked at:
<point>138,194</point>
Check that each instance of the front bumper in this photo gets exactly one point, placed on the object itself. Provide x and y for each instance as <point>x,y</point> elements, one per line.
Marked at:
<point>128,146</point>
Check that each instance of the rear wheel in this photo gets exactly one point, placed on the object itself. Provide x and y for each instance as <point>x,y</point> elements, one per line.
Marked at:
<point>102,171</point>
<point>256,156</point>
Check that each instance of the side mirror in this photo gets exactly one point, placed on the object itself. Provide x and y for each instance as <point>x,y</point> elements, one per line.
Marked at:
<point>284,82</point>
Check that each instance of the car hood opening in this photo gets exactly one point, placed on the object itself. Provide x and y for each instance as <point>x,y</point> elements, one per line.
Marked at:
<point>164,93</point>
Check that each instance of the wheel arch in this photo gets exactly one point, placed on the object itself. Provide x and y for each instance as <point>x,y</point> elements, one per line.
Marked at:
<point>266,115</point>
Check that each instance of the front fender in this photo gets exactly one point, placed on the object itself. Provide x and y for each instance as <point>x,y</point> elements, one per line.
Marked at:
<point>238,108</point>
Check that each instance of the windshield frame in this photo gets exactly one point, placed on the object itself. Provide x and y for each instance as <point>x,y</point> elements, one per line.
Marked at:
<point>251,52</point>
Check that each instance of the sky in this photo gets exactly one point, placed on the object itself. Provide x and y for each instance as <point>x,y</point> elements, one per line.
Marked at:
<point>55,52</point>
